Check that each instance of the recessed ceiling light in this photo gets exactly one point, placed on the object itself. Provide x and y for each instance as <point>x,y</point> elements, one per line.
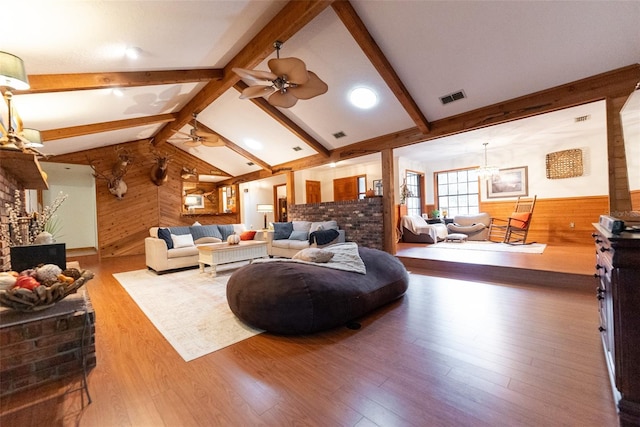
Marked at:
<point>133,52</point>
<point>363,97</point>
<point>253,144</point>
<point>117,92</point>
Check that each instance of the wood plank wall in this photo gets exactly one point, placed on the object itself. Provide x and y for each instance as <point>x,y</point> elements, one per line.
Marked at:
<point>124,224</point>
<point>552,218</point>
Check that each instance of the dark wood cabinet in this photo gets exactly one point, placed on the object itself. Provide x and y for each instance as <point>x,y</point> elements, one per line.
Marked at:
<point>618,270</point>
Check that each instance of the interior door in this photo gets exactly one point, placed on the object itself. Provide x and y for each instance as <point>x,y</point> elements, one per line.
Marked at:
<point>345,189</point>
<point>313,191</point>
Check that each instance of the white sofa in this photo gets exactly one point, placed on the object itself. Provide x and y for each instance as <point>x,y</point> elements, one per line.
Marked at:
<point>161,258</point>
<point>288,246</point>
<point>475,226</point>
<point>416,230</point>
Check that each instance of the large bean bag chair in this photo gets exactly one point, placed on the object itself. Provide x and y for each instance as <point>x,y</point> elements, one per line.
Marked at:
<point>295,297</point>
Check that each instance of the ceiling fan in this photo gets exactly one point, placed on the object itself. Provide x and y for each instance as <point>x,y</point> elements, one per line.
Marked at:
<point>288,81</point>
<point>197,137</point>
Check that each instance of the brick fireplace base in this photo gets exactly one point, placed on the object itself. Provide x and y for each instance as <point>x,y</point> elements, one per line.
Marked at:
<point>44,346</point>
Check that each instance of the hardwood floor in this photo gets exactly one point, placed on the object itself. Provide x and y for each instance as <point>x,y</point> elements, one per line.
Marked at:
<point>451,352</point>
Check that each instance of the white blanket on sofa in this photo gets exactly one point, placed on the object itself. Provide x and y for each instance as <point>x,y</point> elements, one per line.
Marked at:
<point>417,225</point>
<point>345,258</point>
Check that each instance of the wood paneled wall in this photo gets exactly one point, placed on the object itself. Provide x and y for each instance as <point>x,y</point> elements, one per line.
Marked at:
<point>552,218</point>
<point>124,224</point>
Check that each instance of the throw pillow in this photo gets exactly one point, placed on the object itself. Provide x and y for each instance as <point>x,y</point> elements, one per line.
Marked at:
<point>298,235</point>
<point>165,234</point>
<point>199,231</point>
<point>182,240</point>
<point>314,255</point>
<point>226,230</point>
<point>520,219</point>
<point>282,230</point>
<point>247,235</point>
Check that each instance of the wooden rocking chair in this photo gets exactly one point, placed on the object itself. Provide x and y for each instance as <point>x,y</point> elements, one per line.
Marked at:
<point>514,230</point>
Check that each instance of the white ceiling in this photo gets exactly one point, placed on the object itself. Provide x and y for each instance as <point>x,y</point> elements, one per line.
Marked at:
<point>492,50</point>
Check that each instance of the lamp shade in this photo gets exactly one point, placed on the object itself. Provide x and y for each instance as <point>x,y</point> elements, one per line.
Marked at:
<point>265,208</point>
<point>12,72</point>
<point>33,136</point>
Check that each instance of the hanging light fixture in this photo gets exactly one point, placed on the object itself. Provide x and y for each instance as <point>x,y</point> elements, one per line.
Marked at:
<point>487,171</point>
<point>14,76</point>
<point>12,72</point>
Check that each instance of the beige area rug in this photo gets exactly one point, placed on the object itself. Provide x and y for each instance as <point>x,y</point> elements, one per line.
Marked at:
<point>189,308</point>
<point>533,248</point>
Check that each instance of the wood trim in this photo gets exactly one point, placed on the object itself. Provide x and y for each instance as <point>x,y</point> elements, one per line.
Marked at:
<point>361,35</point>
<point>236,148</point>
<point>61,133</point>
<point>285,121</point>
<point>44,83</point>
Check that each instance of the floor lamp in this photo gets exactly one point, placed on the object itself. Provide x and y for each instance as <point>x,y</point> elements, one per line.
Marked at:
<point>265,209</point>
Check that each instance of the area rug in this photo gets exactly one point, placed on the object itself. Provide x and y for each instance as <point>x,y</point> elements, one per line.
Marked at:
<point>189,308</point>
<point>533,248</point>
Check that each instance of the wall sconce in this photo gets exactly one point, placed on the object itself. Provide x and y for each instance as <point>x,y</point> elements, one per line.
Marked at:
<point>263,208</point>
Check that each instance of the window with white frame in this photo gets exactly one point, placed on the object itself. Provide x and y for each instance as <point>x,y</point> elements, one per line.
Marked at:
<point>414,200</point>
<point>458,192</point>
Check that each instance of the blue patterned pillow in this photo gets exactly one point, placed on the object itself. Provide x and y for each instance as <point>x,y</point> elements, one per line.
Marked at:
<point>282,230</point>
<point>298,235</point>
<point>165,234</point>
<point>226,230</point>
<point>200,231</point>
<point>179,230</point>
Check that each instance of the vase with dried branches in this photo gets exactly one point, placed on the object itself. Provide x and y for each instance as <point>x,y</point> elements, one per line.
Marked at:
<point>23,229</point>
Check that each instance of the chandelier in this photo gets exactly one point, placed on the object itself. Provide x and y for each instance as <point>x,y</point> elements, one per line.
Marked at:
<point>486,171</point>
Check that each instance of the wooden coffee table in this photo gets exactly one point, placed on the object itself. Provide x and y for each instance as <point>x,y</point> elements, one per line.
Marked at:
<point>224,253</point>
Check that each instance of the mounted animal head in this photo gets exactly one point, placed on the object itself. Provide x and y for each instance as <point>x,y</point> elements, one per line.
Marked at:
<point>115,182</point>
<point>160,170</point>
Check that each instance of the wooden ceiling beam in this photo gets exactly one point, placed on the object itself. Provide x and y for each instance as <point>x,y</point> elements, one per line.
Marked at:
<point>614,83</point>
<point>285,121</point>
<point>291,19</point>
<point>52,134</point>
<point>236,148</point>
<point>43,83</point>
<point>361,35</point>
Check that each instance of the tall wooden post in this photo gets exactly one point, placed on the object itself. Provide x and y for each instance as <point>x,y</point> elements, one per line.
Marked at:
<point>388,202</point>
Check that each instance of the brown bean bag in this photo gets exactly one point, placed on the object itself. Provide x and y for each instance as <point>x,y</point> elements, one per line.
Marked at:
<point>295,298</point>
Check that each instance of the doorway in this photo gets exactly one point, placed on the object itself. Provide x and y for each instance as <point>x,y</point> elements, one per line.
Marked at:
<point>280,202</point>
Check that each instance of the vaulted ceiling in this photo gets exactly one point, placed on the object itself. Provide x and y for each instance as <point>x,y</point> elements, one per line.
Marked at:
<point>410,53</point>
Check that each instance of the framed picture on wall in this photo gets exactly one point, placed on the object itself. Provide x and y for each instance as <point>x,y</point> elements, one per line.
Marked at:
<point>511,182</point>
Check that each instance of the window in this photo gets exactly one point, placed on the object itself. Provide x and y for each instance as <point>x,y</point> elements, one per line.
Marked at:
<point>414,201</point>
<point>458,192</point>
<point>362,186</point>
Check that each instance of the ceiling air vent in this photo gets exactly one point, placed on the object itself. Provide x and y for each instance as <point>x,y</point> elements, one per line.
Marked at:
<point>250,163</point>
<point>583,118</point>
<point>297,148</point>
<point>339,135</point>
<point>452,97</point>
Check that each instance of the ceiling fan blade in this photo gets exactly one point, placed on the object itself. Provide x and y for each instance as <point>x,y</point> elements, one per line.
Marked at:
<point>203,134</point>
<point>284,100</point>
<point>256,91</point>
<point>192,143</point>
<point>254,74</point>
<point>293,68</point>
<point>312,88</point>
<point>217,142</point>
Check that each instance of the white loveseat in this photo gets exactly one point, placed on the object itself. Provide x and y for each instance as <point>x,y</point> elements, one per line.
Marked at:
<point>281,244</point>
<point>176,247</point>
